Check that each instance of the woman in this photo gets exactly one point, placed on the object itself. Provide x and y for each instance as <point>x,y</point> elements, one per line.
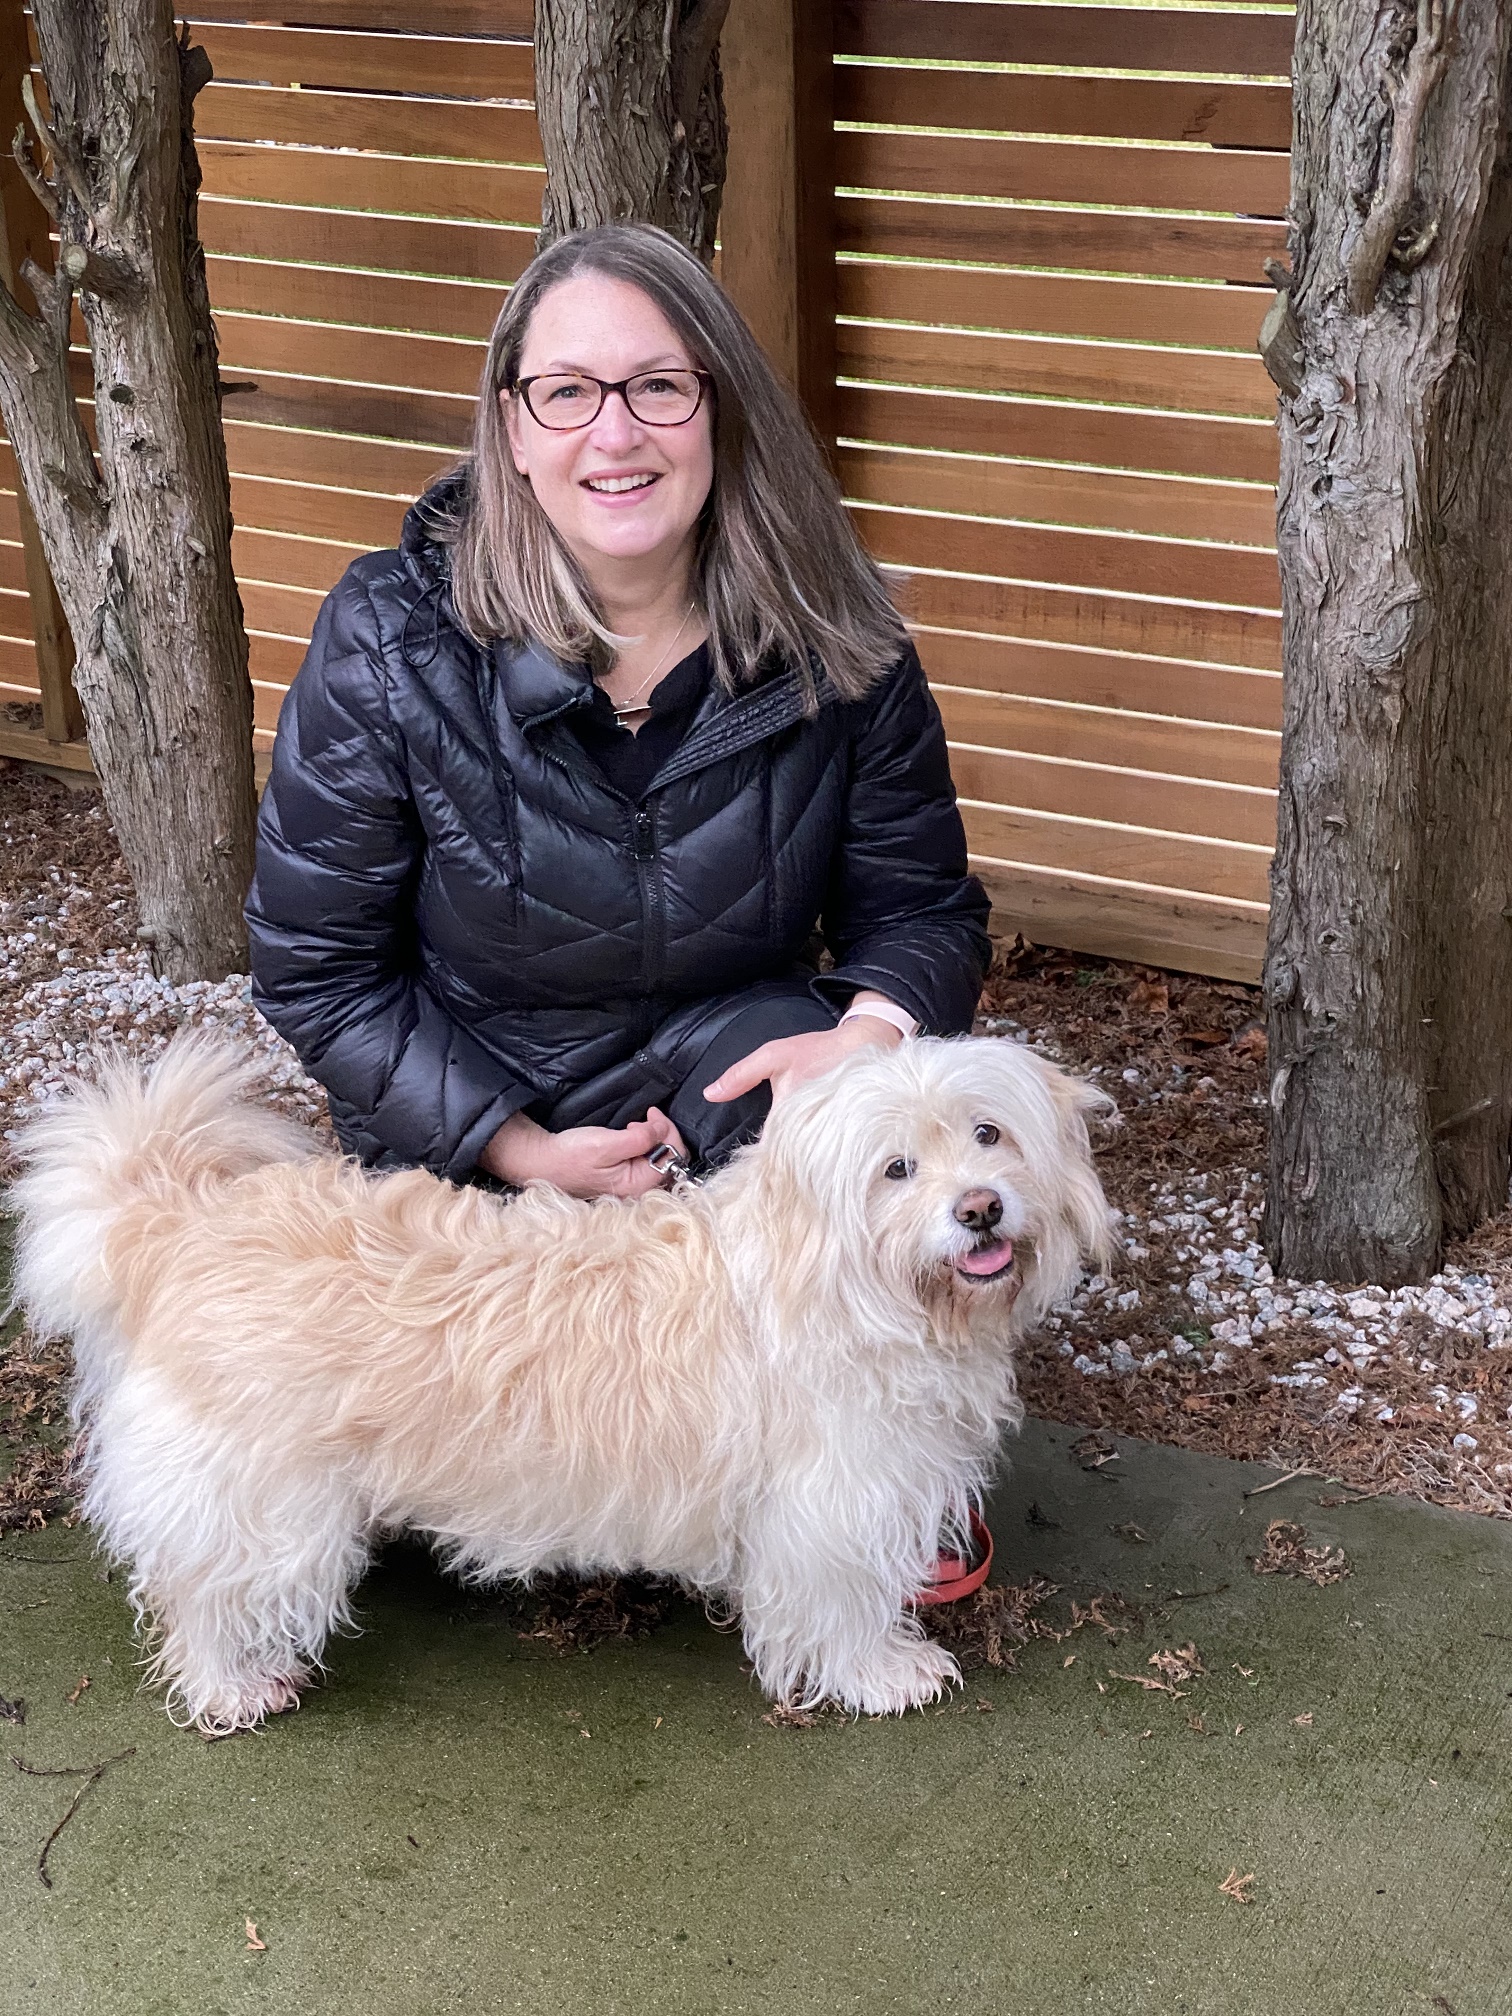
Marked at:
<point>565,784</point>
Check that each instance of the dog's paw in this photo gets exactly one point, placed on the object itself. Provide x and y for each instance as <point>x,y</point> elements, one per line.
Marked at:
<point>229,1709</point>
<point>906,1672</point>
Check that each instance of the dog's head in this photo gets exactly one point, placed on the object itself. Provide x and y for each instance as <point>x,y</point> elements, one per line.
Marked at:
<point>954,1175</point>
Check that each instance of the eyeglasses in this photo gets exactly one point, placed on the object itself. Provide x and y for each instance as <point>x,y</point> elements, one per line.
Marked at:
<point>566,399</point>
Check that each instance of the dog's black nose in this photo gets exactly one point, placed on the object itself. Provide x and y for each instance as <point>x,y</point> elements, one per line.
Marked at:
<point>979,1210</point>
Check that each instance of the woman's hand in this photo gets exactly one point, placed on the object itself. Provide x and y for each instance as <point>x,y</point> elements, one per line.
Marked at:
<point>583,1161</point>
<point>792,1060</point>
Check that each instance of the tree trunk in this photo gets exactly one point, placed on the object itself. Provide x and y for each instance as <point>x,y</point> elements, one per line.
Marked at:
<point>632,115</point>
<point>1389,970</point>
<point>140,545</point>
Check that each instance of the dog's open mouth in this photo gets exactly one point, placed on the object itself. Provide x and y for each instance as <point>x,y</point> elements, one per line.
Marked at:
<point>987,1261</point>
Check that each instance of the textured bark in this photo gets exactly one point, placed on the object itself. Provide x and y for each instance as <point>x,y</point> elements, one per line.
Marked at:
<point>632,115</point>
<point>140,542</point>
<point>1389,971</point>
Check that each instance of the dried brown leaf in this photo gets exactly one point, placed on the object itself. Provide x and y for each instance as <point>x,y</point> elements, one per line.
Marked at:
<point>1286,1553</point>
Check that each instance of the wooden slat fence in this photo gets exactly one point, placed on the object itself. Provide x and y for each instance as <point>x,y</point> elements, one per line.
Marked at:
<point>1053,426</point>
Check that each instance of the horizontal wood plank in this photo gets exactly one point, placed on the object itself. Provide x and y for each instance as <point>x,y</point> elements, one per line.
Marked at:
<point>439,425</point>
<point>1121,797</point>
<point>1039,670</point>
<point>473,191</point>
<point>1113,108</point>
<point>267,704</point>
<point>1194,749</point>
<point>386,125</point>
<point>365,523</point>
<point>274,660</point>
<point>1114,920</point>
<point>1178,569</point>
<point>384,468</point>
<point>1054,304</point>
<point>288,561</point>
<point>1166,506</point>
<point>1100,622</point>
<point>30,745</point>
<point>462,251</point>
<point>338,59</point>
<point>372,300</point>
<point>363,356</point>
<point>1123,853</point>
<point>1098,38</point>
<point>286,612</point>
<point>1046,171</point>
<point>1046,431</point>
<point>18,663</point>
<point>1102,241</point>
<point>512,20</point>
<point>1052,367</point>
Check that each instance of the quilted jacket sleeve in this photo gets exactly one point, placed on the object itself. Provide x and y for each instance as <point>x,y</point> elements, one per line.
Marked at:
<point>330,916</point>
<point>902,913</point>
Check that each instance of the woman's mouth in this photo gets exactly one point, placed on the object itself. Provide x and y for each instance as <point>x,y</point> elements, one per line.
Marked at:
<point>986,1261</point>
<point>620,486</point>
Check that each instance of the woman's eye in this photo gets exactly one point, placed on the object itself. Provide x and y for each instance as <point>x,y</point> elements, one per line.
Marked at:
<point>899,1171</point>
<point>987,1134</point>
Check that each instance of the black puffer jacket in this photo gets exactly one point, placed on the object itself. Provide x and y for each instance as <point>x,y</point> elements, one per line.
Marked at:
<point>455,917</point>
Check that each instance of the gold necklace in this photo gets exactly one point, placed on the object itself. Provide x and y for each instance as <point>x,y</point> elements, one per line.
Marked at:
<point>623,709</point>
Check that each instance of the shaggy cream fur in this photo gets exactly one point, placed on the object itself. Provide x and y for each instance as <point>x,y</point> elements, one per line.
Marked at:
<point>779,1387</point>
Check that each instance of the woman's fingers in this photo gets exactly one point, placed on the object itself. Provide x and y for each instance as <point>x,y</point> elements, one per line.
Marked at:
<point>667,1132</point>
<point>744,1076</point>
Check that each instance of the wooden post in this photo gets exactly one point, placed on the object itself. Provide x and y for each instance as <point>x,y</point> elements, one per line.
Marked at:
<point>777,221</point>
<point>23,235</point>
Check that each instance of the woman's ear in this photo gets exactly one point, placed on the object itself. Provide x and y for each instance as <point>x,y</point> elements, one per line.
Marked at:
<point>509,406</point>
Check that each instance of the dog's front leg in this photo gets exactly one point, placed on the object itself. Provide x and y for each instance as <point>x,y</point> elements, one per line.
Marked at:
<point>825,1602</point>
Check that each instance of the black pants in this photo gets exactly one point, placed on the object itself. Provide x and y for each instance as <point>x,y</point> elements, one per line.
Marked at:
<point>687,1052</point>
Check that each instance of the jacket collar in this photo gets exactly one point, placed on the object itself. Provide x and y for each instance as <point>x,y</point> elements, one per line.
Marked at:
<point>539,689</point>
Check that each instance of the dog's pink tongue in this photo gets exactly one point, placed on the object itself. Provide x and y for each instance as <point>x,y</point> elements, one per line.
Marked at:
<point>987,1259</point>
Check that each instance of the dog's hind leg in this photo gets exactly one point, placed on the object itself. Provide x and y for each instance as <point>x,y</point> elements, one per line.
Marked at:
<point>240,1570</point>
<point>237,1634</point>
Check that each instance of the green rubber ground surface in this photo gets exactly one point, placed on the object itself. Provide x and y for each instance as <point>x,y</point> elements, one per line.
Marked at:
<point>461,1820</point>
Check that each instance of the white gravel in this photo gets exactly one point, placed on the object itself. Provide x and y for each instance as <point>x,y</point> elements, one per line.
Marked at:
<point>52,1028</point>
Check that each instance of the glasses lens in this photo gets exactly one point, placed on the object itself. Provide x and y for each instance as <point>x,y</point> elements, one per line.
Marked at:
<point>563,400</point>
<point>664,398</point>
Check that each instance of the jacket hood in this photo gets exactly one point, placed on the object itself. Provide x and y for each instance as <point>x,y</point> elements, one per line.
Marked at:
<point>421,541</point>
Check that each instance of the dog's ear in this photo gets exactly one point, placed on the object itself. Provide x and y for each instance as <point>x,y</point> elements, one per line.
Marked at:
<point>803,1192</point>
<point>1080,1224</point>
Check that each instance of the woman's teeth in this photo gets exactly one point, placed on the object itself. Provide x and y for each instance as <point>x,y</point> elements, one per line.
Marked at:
<point>619,482</point>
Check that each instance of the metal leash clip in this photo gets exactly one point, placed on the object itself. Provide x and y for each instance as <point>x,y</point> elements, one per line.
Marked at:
<point>666,1161</point>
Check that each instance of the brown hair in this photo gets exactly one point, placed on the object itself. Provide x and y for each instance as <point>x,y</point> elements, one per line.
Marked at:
<point>778,572</point>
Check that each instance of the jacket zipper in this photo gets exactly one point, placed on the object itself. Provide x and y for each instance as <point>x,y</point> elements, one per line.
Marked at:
<point>648,868</point>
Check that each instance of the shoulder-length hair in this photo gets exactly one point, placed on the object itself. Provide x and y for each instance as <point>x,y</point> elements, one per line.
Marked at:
<point>779,572</point>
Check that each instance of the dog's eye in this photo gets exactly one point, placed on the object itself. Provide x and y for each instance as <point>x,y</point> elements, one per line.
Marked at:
<point>899,1171</point>
<point>987,1134</point>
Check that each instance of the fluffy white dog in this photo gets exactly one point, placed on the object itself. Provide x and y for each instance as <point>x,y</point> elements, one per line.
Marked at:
<point>779,1386</point>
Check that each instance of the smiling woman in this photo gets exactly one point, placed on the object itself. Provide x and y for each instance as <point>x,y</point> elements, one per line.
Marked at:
<point>566,784</point>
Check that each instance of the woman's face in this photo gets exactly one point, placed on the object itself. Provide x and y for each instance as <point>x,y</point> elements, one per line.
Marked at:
<point>611,330</point>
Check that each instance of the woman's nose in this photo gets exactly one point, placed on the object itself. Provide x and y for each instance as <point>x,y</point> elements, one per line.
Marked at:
<point>614,427</point>
<point>979,1210</point>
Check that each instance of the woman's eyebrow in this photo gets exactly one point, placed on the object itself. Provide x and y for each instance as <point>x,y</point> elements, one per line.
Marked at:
<point>667,360</point>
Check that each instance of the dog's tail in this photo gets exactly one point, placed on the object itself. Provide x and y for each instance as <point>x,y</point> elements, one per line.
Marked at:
<point>132,1135</point>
